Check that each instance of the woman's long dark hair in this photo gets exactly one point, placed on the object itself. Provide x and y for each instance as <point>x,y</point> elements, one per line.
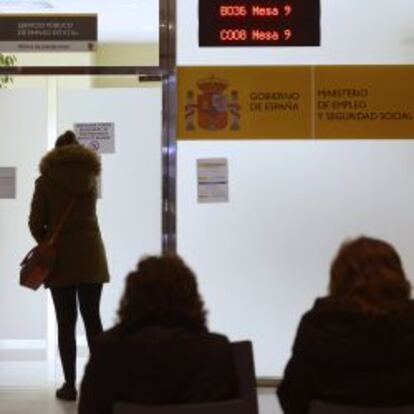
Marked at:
<point>162,291</point>
<point>367,275</point>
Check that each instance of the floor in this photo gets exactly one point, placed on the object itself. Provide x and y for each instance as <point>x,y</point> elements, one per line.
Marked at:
<point>27,387</point>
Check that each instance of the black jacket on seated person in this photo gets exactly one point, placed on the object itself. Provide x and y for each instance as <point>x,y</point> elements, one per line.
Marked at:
<point>345,357</point>
<point>157,365</point>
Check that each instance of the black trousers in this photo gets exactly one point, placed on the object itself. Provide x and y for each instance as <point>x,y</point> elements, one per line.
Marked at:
<point>65,300</point>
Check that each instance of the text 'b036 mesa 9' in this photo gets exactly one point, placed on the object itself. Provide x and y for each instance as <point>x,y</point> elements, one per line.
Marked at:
<point>259,23</point>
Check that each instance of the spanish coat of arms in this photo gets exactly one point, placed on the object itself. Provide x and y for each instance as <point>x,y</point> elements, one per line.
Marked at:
<point>212,109</point>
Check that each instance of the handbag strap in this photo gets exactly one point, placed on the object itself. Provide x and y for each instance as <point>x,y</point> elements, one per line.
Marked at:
<point>62,221</point>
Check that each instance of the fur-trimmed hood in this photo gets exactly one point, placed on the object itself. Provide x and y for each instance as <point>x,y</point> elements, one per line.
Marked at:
<point>73,168</point>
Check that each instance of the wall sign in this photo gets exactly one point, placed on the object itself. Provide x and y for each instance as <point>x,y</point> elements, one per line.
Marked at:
<point>213,180</point>
<point>259,23</point>
<point>48,32</point>
<point>7,182</point>
<point>100,136</point>
<point>244,102</point>
<point>296,102</point>
<point>364,102</point>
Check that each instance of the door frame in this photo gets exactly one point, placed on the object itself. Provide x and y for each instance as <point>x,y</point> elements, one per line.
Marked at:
<point>164,72</point>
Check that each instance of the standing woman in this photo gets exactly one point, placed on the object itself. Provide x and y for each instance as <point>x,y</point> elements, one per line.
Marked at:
<point>69,172</point>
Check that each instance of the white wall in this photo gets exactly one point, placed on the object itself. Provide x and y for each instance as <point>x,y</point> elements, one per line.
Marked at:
<point>130,207</point>
<point>263,257</point>
<point>22,143</point>
<point>118,21</point>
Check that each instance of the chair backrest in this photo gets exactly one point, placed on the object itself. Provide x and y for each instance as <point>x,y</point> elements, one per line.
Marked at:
<point>246,403</point>
<point>320,407</point>
<point>244,361</point>
<point>220,407</point>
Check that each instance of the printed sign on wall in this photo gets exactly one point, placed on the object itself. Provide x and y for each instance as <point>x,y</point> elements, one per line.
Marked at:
<point>100,136</point>
<point>299,102</point>
<point>244,102</point>
<point>7,182</point>
<point>48,32</point>
<point>364,102</point>
<point>213,180</point>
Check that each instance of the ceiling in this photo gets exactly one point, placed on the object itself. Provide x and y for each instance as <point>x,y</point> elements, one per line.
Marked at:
<point>118,20</point>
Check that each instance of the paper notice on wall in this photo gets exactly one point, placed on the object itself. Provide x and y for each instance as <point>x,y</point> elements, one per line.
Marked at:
<point>213,180</point>
<point>100,136</point>
<point>7,182</point>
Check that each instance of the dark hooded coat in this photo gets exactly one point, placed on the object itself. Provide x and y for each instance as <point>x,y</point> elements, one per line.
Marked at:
<point>345,357</point>
<point>67,172</point>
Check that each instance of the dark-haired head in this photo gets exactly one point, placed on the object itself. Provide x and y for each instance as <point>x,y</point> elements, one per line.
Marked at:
<point>162,291</point>
<point>367,275</point>
<point>68,138</point>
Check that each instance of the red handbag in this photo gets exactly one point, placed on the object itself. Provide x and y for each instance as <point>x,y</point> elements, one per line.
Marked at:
<point>36,266</point>
<point>38,263</point>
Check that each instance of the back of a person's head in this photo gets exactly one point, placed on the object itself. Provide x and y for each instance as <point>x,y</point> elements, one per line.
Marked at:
<point>162,291</point>
<point>67,138</point>
<point>367,275</point>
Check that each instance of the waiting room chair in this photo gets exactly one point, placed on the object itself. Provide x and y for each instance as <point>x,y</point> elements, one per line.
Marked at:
<point>245,404</point>
<point>319,407</point>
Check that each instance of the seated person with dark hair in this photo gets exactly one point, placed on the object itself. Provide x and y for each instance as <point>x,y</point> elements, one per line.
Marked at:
<point>160,352</point>
<point>356,346</point>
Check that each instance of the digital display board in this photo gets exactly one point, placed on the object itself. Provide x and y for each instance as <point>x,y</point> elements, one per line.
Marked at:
<point>259,23</point>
